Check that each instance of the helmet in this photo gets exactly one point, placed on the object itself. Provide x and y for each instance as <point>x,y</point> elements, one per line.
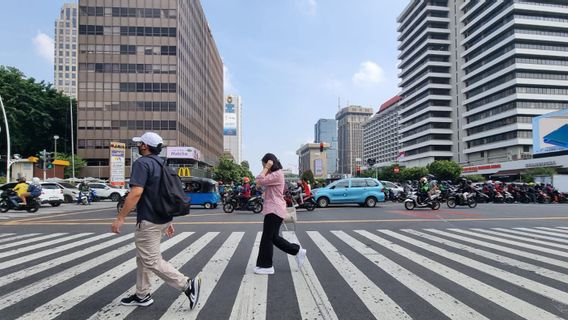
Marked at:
<point>430,176</point>
<point>35,180</point>
<point>246,180</point>
<point>22,179</point>
<point>469,182</point>
<point>423,180</point>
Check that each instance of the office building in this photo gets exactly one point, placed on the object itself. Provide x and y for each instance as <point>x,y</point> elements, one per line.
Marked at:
<point>474,74</point>
<point>232,127</point>
<point>381,142</point>
<point>147,66</point>
<point>310,158</point>
<point>65,50</point>
<point>350,137</point>
<point>325,130</point>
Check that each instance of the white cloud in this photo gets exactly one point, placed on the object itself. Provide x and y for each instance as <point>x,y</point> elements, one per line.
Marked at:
<point>370,73</point>
<point>44,46</point>
<point>308,6</point>
<point>228,87</point>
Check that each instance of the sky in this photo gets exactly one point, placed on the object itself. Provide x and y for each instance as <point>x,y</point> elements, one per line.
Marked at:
<point>292,61</point>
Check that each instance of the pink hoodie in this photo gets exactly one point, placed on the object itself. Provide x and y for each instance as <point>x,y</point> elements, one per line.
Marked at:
<point>274,193</point>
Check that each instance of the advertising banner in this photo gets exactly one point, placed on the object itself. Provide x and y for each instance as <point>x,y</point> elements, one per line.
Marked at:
<point>183,153</point>
<point>550,132</point>
<point>318,167</point>
<point>117,163</point>
<point>230,120</point>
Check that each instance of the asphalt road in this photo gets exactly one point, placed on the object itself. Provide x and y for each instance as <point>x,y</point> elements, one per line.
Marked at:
<point>497,261</point>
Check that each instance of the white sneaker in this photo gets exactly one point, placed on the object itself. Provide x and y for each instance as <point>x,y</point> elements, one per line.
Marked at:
<point>300,257</point>
<point>259,270</point>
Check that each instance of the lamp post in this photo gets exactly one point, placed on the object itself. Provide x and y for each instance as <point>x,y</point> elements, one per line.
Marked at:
<point>8,151</point>
<point>55,138</point>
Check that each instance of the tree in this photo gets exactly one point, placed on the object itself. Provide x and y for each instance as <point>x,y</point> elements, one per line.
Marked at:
<point>445,170</point>
<point>475,177</point>
<point>227,170</point>
<point>35,111</point>
<point>79,164</point>
<point>528,175</point>
<point>413,173</point>
<point>308,175</point>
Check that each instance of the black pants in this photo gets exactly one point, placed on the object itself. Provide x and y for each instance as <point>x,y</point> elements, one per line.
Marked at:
<point>270,237</point>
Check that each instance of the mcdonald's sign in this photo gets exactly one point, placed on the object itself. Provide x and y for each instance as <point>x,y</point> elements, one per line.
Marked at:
<point>184,172</point>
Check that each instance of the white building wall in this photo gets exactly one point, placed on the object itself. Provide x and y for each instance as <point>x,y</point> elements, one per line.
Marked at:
<point>65,50</point>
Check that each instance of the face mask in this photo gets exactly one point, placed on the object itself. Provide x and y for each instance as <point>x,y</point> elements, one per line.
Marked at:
<point>139,151</point>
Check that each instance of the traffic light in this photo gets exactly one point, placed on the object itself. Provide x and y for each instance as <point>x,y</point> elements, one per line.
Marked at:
<point>358,170</point>
<point>321,146</point>
<point>45,160</point>
<point>49,160</point>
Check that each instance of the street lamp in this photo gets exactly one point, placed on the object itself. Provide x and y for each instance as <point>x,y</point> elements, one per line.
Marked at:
<point>55,138</point>
<point>8,151</point>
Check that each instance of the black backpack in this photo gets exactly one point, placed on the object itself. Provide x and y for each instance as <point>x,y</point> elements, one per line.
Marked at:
<point>173,200</point>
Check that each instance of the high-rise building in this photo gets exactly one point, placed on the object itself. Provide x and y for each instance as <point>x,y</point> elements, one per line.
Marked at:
<point>232,127</point>
<point>147,66</point>
<point>426,72</point>
<point>325,130</point>
<point>65,50</point>
<point>514,67</point>
<point>381,142</point>
<point>474,73</point>
<point>311,158</point>
<point>350,137</point>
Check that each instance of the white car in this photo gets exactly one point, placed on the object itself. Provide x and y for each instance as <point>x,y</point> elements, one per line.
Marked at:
<point>396,189</point>
<point>51,193</point>
<point>70,192</point>
<point>103,191</point>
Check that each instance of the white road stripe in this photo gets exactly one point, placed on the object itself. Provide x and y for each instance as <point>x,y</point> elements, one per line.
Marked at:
<point>510,236</point>
<point>23,236</point>
<point>499,297</point>
<point>510,250</point>
<point>548,233</point>
<point>115,310</point>
<point>210,276</point>
<point>446,304</point>
<point>553,229</point>
<point>531,285</point>
<point>69,299</point>
<point>21,274</point>
<point>562,277</point>
<point>44,253</point>
<point>375,299</point>
<point>22,242</point>
<point>532,235</point>
<point>53,280</point>
<point>251,298</point>
<point>312,299</point>
<point>511,242</point>
<point>42,245</point>
<point>2,235</point>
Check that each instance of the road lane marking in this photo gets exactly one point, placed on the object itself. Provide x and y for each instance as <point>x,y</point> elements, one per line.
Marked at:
<point>23,236</point>
<point>562,277</point>
<point>505,300</point>
<point>553,229</point>
<point>445,303</point>
<point>210,276</point>
<point>375,299</point>
<point>42,245</point>
<point>312,299</point>
<point>251,299</point>
<point>115,310</point>
<point>510,236</point>
<point>71,298</point>
<point>32,240</point>
<point>532,256</point>
<point>548,233</point>
<point>528,234</point>
<point>44,253</point>
<point>2,235</point>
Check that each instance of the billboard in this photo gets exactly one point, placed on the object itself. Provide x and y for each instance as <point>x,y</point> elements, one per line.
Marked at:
<point>318,167</point>
<point>550,132</point>
<point>117,163</point>
<point>183,153</point>
<point>230,119</point>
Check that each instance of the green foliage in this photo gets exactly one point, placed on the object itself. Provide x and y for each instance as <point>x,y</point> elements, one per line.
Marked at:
<point>227,170</point>
<point>36,112</point>
<point>528,175</point>
<point>445,170</point>
<point>476,177</point>
<point>79,164</point>
<point>413,173</point>
<point>308,175</point>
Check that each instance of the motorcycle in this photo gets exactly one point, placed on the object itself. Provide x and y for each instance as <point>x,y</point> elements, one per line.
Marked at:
<point>10,201</point>
<point>254,204</point>
<point>292,198</point>
<point>462,199</point>
<point>432,202</point>
<point>86,198</point>
<point>120,203</point>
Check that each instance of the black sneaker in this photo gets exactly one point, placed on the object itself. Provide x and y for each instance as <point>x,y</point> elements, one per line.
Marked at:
<point>133,300</point>
<point>192,291</point>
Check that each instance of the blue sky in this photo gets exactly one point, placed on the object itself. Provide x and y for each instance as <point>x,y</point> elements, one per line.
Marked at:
<point>290,60</point>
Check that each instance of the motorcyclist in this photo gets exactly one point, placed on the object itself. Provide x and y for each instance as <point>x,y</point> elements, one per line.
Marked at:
<point>306,189</point>
<point>34,189</point>
<point>84,190</point>
<point>21,189</point>
<point>245,192</point>
<point>423,188</point>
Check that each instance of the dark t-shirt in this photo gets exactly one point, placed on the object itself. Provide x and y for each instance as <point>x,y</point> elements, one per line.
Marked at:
<point>146,173</point>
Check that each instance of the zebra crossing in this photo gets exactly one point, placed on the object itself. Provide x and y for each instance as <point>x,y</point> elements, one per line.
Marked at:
<point>450,273</point>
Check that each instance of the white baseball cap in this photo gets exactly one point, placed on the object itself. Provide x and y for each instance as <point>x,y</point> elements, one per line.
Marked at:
<point>151,139</point>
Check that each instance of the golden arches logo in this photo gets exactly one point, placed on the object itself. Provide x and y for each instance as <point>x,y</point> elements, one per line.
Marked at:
<point>184,172</point>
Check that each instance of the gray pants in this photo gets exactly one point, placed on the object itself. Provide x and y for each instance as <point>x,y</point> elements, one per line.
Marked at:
<point>149,259</point>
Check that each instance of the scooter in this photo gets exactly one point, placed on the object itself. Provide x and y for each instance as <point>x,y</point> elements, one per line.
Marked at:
<point>10,201</point>
<point>462,199</point>
<point>254,204</point>
<point>86,198</point>
<point>432,201</point>
<point>292,198</point>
